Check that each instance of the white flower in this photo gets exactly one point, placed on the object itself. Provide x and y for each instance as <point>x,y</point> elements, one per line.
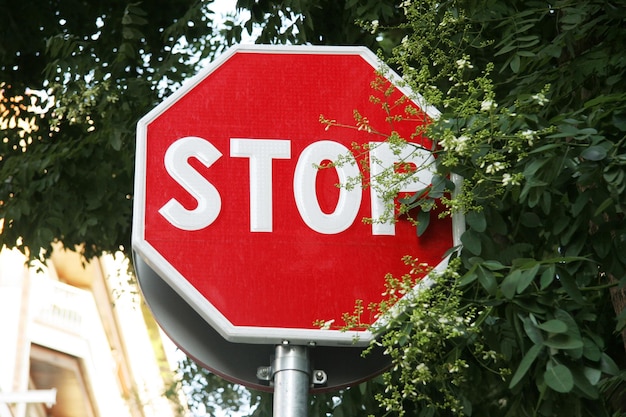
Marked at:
<point>488,105</point>
<point>463,63</point>
<point>327,324</point>
<point>454,143</point>
<point>508,179</point>
<point>421,367</point>
<point>461,143</point>
<point>528,135</point>
<point>495,167</point>
<point>540,98</point>
<point>374,26</point>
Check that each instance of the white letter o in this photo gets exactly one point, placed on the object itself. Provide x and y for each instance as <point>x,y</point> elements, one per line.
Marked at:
<point>304,188</point>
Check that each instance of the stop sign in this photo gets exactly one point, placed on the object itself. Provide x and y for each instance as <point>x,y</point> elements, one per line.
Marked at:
<point>232,208</point>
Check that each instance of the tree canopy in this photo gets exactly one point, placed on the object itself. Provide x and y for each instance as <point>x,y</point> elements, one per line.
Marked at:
<point>74,79</point>
<point>533,116</point>
<point>527,318</point>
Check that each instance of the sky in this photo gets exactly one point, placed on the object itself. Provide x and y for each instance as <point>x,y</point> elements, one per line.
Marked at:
<point>222,8</point>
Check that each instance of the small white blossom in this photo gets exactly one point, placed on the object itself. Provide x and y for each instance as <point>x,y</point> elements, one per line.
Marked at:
<point>461,143</point>
<point>488,105</point>
<point>363,124</point>
<point>374,26</point>
<point>463,63</point>
<point>508,179</point>
<point>421,367</point>
<point>528,135</point>
<point>454,143</point>
<point>540,98</point>
<point>495,167</point>
<point>327,324</point>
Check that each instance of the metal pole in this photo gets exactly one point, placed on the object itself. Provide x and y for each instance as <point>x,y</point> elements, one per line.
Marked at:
<point>292,378</point>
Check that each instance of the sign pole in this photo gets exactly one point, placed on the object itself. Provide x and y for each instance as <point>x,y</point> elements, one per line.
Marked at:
<point>292,378</point>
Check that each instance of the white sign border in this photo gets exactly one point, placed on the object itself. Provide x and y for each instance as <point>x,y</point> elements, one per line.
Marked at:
<point>249,334</point>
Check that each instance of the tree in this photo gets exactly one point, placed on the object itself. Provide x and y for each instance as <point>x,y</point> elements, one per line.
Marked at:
<point>533,118</point>
<point>79,76</point>
<point>76,77</point>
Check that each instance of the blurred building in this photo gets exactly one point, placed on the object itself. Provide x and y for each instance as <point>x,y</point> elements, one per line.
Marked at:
<point>77,341</point>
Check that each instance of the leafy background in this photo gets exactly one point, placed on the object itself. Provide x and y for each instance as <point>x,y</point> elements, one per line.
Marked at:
<point>528,318</point>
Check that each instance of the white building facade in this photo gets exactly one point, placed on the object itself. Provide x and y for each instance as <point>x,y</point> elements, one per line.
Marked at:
<point>76,340</point>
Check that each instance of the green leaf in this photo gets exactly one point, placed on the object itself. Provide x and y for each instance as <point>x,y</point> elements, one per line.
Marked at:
<point>569,284</point>
<point>526,278</point>
<point>493,265</point>
<point>602,245</point>
<point>131,33</point>
<point>571,16</point>
<point>605,204</point>
<point>116,140</point>
<point>547,276</point>
<point>553,326</point>
<point>566,130</point>
<point>545,148</point>
<point>534,165</point>
<point>613,175</point>
<point>487,280</point>
<point>559,378</point>
<point>573,332</point>
<point>423,220</point>
<point>608,365</point>
<point>530,220</point>
<point>515,63</point>
<point>525,364</point>
<point>552,50</point>
<point>531,330</point>
<point>471,241</point>
<point>594,153</point>
<point>505,49</point>
<point>427,411</point>
<point>476,220</point>
<point>620,120</point>
<point>593,375</point>
<point>591,350</point>
<point>587,381</point>
<point>509,284</point>
<point>439,184</point>
<point>563,342</point>
<point>468,278</point>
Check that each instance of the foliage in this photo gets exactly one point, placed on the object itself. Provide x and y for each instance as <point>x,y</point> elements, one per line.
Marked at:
<point>533,119</point>
<point>438,348</point>
<point>76,76</point>
<point>325,22</point>
<point>74,80</point>
<point>207,393</point>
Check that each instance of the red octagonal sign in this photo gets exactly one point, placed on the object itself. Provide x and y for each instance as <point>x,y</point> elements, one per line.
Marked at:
<point>233,212</point>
